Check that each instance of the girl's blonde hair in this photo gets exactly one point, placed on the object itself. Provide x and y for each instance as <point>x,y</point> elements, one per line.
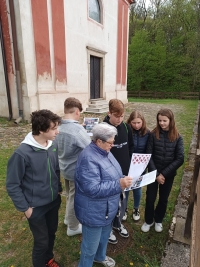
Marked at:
<point>137,114</point>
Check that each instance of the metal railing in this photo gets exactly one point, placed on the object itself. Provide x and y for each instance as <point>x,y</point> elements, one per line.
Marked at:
<point>158,94</point>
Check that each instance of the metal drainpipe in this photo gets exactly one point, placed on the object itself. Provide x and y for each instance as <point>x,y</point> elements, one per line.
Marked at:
<point>6,73</point>
<point>16,56</point>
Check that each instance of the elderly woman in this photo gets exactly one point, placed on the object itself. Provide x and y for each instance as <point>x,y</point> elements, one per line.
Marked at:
<point>99,181</point>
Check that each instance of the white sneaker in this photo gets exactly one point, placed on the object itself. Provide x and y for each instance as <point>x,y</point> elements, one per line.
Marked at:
<point>136,215</point>
<point>108,262</point>
<point>158,227</point>
<point>112,239</point>
<point>146,227</point>
<point>74,232</point>
<point>65,222</point>
<point>122,231</point>
<point>124,218</point>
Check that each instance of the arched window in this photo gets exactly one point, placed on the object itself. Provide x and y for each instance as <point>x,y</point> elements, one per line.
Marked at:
<point>94,10</point>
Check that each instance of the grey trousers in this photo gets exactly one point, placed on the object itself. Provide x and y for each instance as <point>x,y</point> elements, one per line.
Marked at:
<point>70,216</point>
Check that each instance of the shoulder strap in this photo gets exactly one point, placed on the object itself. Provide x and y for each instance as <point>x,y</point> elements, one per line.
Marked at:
<point>125,127</point>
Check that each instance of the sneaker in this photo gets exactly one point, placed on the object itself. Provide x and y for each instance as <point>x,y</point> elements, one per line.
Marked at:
<point>158,227</point>
<point>65,222</point>
<point>74,232</point>
<point>112,239</point>
<point>146,227</point>
<point>122,231</point>
<point>108,262</point>
<point>124,218</point>
<point>136,215</point>
<point>53,263</point>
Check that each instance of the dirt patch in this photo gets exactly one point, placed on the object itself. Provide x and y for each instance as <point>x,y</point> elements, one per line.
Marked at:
<point>122,243</point>
<point>11,135</point>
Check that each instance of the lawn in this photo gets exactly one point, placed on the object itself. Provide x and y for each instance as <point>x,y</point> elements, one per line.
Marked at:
<point>144,249</point>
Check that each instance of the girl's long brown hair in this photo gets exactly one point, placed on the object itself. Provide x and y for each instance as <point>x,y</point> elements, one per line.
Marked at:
<point>137,114</point>
<point>173,132</point>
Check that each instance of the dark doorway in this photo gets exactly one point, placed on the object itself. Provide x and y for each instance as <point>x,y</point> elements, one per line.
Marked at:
<point>95,77</point>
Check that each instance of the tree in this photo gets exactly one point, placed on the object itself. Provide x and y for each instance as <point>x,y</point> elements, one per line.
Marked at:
<point>164,46</point>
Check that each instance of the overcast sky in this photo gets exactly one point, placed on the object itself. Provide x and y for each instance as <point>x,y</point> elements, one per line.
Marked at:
<point>147,2</point>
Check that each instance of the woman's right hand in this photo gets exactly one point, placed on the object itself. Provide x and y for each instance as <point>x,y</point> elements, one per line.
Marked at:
<point>126,182</point>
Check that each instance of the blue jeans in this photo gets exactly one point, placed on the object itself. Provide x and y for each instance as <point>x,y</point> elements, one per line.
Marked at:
<point>137,194</point>
<point>94,244</point>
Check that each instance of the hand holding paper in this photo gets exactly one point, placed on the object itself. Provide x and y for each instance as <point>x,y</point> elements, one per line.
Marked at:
<point>126,182</point>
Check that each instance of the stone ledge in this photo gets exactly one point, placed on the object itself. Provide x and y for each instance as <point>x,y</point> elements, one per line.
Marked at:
<point>179,232</point>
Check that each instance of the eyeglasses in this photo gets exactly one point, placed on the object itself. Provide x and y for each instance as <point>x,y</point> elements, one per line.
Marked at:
<point>110,143</point>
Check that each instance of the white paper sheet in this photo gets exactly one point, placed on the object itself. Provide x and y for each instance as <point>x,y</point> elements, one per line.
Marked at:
<point>138,165</point>
<point>143,180</point>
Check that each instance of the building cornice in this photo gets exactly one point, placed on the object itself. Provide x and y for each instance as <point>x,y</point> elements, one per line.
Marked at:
<point>96,50</point>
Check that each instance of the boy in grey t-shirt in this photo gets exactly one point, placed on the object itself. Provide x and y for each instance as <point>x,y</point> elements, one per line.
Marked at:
<point>72,139</point>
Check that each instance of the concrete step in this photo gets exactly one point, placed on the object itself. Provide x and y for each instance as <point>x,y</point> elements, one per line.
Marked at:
<point>98,105</point>
<point>96,110</point>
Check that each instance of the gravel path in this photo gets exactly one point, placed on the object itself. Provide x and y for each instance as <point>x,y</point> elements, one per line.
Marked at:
<point>11,135</point>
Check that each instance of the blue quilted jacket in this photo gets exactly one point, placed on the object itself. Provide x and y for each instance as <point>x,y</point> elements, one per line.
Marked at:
<point>140,141</point>
<point>97,187</point>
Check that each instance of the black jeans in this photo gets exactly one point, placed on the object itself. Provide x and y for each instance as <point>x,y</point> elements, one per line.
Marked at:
<point>151,194</point>
<point>43,224</point>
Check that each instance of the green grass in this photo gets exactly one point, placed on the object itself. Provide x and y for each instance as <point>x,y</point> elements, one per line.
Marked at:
<point>6,122</point>
<point>144,250</point>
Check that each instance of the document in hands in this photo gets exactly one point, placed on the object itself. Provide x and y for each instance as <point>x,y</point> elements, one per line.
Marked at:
<point>138,165</point>
<point>89,124</point>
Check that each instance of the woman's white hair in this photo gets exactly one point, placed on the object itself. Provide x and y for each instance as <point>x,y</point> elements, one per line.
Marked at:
<point>103,131</point>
